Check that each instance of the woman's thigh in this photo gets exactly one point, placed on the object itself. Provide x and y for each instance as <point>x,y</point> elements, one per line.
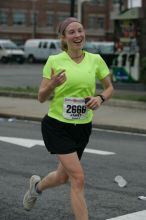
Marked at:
<point>71,164</point>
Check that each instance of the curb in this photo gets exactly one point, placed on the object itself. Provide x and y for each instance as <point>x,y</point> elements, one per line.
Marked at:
<point>119,128</point>
<point>111,102</point>
<point>20,117</point>
<point>98,126</point>
<point>127,104</point>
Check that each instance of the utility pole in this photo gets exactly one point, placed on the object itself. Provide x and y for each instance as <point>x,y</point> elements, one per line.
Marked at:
<point>34,18</point>
<point>72,8</point>
<point>120,5</point>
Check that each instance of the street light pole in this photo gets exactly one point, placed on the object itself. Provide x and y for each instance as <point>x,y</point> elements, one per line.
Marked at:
<point>120,5</point>
<point>79,9</point>
<point>34,18</point>
<point>72,8</point>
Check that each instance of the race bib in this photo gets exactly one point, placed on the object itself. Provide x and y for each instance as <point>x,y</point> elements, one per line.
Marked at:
<point>74,108</point>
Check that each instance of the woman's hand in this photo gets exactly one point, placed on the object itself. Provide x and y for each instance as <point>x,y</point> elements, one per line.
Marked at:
<point>48,85</point>
<point>58,79</point>
<point>93,102</point>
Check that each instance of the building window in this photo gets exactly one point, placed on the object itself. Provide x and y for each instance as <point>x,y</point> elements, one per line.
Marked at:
<point>64,1</point>
<point>95,23</point>
<point>62,17</point>
<point>50,20</point>
<point>134,3</point>
<point>91,22</point>
<point>98,2</point>
<point>3,17</point>
<point>19,18</point>
<point>100,23</point>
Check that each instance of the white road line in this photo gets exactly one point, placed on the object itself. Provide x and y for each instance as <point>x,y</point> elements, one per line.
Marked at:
<point>32,142</point>
<point>22,141</point>
<point>119,132</point>
<point>133,216</point>
<point>101,152</point>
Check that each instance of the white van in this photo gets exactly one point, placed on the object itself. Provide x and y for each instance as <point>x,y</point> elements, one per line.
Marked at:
<point>41,49</point>
<point>10,52</point>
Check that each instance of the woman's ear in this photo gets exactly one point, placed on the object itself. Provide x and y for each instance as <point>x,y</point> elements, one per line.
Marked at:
<point>63,42</point>
<point>62,38</point>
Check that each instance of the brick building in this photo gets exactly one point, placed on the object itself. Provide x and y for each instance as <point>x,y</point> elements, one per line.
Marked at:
<point>24,19</point>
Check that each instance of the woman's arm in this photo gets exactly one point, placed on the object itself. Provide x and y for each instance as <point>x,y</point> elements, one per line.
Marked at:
<point>107,92</point>
<point>108,87</point>
<point>47,86</point>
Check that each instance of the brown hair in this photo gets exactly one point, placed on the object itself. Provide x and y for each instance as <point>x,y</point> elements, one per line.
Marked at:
<point>63,45</point>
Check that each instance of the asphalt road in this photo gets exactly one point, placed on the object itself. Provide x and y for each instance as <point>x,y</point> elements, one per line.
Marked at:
<point>105,198</point>
<point>20,75</point>
<point>30,75</point>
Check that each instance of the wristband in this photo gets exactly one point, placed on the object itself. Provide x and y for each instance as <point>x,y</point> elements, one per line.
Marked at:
<point>102,98</point>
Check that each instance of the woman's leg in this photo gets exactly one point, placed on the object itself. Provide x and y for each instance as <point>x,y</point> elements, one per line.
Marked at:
<point>36,185</point>
<point>74,170</point>
<point>53,179</point>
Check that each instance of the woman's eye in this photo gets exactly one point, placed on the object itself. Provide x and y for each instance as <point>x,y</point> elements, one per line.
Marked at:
<point>71,32</point>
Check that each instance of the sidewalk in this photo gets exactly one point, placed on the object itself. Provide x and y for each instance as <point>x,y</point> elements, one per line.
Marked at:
<point>115,114</point>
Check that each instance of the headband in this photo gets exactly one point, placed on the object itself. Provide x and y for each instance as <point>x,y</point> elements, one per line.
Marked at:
<point>65,23</point>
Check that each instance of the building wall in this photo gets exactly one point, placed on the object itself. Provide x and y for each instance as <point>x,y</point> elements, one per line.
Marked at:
<point>24,19</point>
<point>96,18</point>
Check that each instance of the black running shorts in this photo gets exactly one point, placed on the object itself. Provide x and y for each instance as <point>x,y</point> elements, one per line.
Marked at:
<point>65,138</point>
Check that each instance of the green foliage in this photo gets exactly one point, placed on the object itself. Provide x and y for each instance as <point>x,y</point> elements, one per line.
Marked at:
<point>20,90</point>
<point>25,92</point>
<point>31,92</point>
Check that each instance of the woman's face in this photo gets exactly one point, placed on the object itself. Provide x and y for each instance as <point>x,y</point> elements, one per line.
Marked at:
<point>74,36</point>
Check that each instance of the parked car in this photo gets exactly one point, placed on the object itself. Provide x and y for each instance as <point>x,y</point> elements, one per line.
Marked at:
<point>90,47</point>
<point>41,49</point>
<point>9,51</point>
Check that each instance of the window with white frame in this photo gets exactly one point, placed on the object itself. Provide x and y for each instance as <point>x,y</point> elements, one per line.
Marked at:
<point>19,18</point>
<point>3,17</point>
<point>50,19</point>
<point>91,22</point>
<point>62,17</point>
<point>100,22</point>
<point>64,1</point>
<point>98,2</point>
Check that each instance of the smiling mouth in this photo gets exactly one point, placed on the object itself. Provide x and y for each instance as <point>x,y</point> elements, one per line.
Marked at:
<point>78,42</point>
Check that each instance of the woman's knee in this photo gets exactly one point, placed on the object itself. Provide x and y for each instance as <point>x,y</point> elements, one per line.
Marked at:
<point>77,181</point>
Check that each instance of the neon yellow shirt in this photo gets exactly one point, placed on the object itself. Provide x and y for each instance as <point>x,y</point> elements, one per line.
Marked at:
<point>80,83</point>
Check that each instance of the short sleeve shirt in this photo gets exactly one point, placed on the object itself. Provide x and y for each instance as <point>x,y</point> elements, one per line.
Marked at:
<point>80,83</point>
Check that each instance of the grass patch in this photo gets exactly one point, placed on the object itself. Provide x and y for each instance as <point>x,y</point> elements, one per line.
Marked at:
<point>26,92</point>
<point>19,89</point>
<point>33,91</point>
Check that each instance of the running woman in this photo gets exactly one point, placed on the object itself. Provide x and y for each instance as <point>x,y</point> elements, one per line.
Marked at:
<point>71,77</point>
